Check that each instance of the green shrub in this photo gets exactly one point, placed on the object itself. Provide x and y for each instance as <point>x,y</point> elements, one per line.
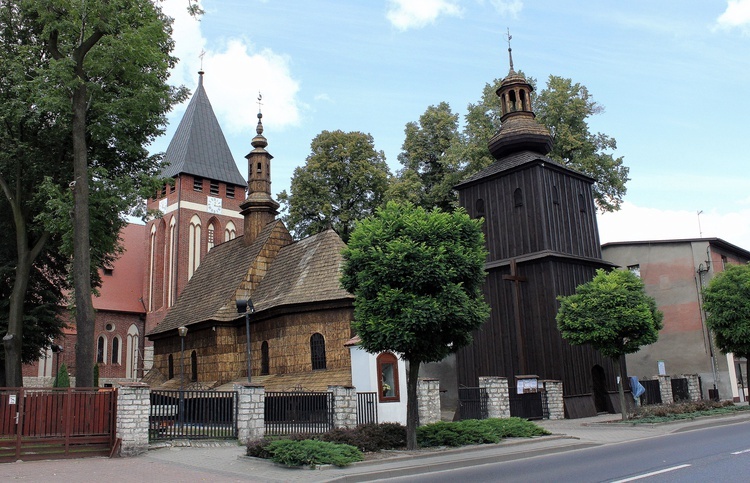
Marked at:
<point>682,410</point>
<point>474,431</point>
<point>62,379</point>
<point>312,452</point>
<point>369,437</point>
<point>96,375</point>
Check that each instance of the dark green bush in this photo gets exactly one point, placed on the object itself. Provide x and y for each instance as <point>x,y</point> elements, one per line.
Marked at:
<point>62,379</point>
<point>473,431</point>
<point>682,410</point>
<point>313,453</point>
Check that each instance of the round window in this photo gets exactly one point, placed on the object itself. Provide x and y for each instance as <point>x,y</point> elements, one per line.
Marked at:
<point>110,327</point>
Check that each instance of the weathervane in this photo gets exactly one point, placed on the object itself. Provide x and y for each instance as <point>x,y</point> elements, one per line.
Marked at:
<point>510,53</point>
<point>260,98</point>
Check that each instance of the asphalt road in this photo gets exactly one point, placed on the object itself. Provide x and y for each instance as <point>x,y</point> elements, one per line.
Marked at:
<point>712,454</point>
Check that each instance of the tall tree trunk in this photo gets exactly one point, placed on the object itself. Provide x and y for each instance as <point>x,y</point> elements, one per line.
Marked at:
<point>412,405</point>
<point>25,256</point>
<point>81,244</point>
<point>621,387</point>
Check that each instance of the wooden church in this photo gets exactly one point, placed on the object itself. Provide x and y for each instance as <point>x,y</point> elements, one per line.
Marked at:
<point>213,247</point>
<point>541,233</point>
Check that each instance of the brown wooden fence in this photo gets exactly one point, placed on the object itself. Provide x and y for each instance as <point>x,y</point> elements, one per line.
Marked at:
<point>47,423</point>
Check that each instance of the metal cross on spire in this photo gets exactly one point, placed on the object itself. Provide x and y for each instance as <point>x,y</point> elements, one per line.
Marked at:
<point>260,98</point>
<point>201,55</point>
<point>510,51</point>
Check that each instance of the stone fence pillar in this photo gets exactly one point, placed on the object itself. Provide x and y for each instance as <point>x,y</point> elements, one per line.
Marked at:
<point>665,388</point>
<point>428,401</point>
<point>694,388</point>
<point>133,409</point>
<point>251,423</point>
<point>498,403</point>
<point>344,406</point>
<point>553,392</point>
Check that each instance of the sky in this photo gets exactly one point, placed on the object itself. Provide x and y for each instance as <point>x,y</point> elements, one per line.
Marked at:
<point>672,77</point>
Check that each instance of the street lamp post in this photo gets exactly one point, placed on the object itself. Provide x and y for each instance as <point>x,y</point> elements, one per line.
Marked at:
<point>246,307</point>
<point>182,331</point>
<point>56,349</point>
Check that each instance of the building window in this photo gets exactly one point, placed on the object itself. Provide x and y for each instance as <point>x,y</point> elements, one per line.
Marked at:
<point>109,271</point>
<point>388,389</point>
<point>116,350</point>
<point>194,366</point>
<point>518,197</point>
<point>194,245</point>
<point>198,184</point>
<point>230,232</point>
<point>171,187</point>
<point>210,234</point>
<point>724,262</point>
<point>172,261</point>
<point>214,188</point>
<point>555,196</point>
<point>230,191</point>
<point>170,369</point>
<point>101,345</point>
<point>318,351</point>
<point>264,365</point>
<point>479,207</point>
<point>635,270</point>
<point>582,203</point>
<point>164,191</point>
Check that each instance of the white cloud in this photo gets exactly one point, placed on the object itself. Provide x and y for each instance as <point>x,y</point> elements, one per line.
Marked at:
<point>635,223</point>
<point>510,8</point>
<point>235,72</point>
<point>737,14</point>
<point>408,14</point>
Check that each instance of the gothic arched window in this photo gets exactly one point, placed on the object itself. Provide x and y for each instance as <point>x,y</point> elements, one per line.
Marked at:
<point>318,351</point>
<point>116,350</point>
<point>230,232</point>
<point>388,387</point>
<point>101,347</point>
<point>518,197</point>
<point>194,245</point>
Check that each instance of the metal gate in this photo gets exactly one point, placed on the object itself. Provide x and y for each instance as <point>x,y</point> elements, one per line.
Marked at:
<point>472,403</point>
<point>527,405</point>
<point>367,407</point>
<point>652,394</point>
<point>193,415</point>
<point>298,412</point>
<point>52,423</point>
<point>680,390</point>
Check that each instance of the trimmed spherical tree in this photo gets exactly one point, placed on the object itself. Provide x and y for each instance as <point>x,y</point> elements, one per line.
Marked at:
<point>614,315</point>
<point>417,277</point>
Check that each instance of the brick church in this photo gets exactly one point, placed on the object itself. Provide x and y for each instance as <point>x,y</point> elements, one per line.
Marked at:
<point>210,246</point>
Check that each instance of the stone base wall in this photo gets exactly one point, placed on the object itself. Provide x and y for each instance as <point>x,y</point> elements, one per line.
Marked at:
<point>665,388</point>
<point>553,392</point>
<point>428,401</point>
<point>344,406</point>
<point>498,404</point>
<point>251,423</point>
<point>133,408</point>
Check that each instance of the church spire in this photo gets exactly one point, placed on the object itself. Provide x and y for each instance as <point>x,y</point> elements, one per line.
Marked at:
<point>519,130</point>
<point>259,208</point>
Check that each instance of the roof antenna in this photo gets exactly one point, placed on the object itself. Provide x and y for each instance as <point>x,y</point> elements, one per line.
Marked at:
<point>510,51</point>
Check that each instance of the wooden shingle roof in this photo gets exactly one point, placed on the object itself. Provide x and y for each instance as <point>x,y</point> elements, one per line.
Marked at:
<point>211,291</point>
<point>303,272</point>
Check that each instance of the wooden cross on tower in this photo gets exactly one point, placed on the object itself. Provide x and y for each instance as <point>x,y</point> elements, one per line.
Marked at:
<point>516,279</point>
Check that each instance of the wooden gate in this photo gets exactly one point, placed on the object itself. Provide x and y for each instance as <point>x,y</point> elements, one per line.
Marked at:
<point>472,403</point>
<point>680,391</point>
<point>527,405</point>
<point>51,423</point>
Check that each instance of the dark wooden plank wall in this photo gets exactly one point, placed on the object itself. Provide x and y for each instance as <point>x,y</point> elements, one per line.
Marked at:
<point>539,224</point>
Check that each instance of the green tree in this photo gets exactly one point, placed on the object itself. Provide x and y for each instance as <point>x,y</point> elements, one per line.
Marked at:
<point>62,379</point>
<point>343,180</point>
<point>726,301</point>
<point>430,157</point>
<point>94,75</point>
<point>614,315</point>
<point>564,108</point>
<point>417,279</point>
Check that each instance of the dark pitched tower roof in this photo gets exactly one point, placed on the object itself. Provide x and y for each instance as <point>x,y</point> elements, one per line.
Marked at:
<point>199,147</point>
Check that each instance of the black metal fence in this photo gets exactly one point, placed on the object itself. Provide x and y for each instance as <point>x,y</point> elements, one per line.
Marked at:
<point>472,403</point>
<point>193,415</point>
<point>298,412</point>
<point>652,394</point>
<point>367,407</point>
<point>680,391</point>
<point>527,405</point>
